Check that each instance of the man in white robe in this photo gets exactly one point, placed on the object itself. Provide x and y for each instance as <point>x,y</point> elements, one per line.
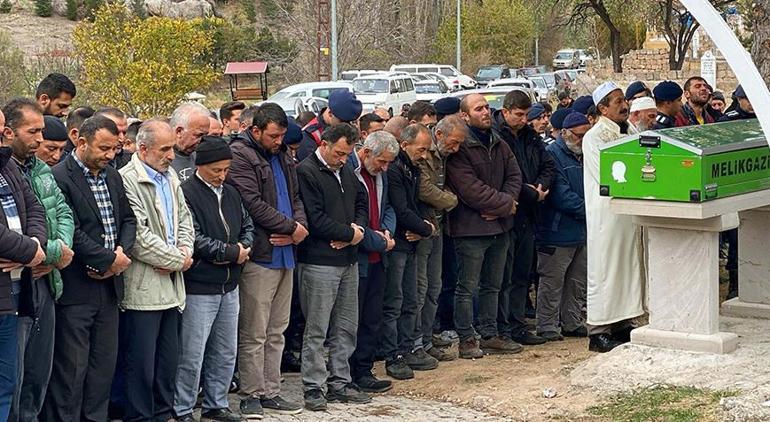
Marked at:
<point>615,287</point>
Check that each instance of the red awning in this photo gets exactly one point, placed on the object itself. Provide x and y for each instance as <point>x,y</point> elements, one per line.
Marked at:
<point>238,68</point>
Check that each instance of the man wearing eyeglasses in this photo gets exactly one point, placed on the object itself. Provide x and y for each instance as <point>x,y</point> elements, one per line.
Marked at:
<point>561,238</point>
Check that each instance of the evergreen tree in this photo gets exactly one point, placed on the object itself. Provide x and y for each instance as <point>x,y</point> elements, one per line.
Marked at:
<point>72,10</point>
<point>5,6</point>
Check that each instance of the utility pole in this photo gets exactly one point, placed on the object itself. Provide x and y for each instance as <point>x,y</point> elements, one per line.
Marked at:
<point>335,70</point>
<point>457,47</point>
<point>537,51</point>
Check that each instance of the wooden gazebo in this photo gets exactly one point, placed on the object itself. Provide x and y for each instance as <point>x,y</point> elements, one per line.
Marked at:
<point>260,69</point>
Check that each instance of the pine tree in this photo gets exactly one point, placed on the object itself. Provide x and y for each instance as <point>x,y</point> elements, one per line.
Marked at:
<point>43,8</point>
<point>5,6</point>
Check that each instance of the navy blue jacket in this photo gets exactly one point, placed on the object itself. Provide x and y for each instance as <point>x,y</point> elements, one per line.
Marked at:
<point>563,215</point>
<point>373,242</point>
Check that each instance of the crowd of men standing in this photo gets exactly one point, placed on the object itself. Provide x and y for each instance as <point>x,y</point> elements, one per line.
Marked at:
<point>147,264</point>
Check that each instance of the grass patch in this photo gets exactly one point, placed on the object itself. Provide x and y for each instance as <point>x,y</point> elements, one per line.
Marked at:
<point>476,379</point>
<point>663,404</point>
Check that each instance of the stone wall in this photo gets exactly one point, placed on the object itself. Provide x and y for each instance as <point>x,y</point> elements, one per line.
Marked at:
<point>651,66</point>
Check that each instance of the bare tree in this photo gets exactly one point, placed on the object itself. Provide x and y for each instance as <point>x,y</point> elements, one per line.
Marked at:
<point>582,11</point>
<point>760,48</point>
<point>679,28</point>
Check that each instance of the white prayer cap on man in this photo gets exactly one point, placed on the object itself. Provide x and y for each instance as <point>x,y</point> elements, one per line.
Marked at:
<point>642,103</point>
<point>604,90</point>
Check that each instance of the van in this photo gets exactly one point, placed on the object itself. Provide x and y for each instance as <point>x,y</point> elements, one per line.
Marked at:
<point>385,90</point>
<point>566,59</point>
<point>349,75</point>
<point>458,79</point>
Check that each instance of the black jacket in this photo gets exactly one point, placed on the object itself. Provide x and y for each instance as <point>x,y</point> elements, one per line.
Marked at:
<point>311,136</point>
<point>403,188</point>
<point>735,112</point>
<point>17,247</point>
<point>251,174</point>
<point>536,165</point>
<point>88,241</point>
<point>330,209</point>
<point>218,229</point>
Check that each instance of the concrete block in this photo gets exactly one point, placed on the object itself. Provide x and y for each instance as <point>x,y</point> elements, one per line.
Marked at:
<point>717,343</point>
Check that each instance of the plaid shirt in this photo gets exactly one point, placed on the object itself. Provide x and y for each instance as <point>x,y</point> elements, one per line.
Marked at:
<point>11,215</point>
<point>98,185</point>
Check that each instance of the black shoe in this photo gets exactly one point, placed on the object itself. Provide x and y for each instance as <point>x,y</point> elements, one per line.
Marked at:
<point>577,332</point>
<point>225,415</point>
<point>551,336</point>
<point>350,393</point>
<point>184,418</point>
<point>251,408</point>
<point>315,400</point>
<point>602,343</point>
<point>290,363</point>
<point>421,361</point>
<point>370,384</point>
<point>528,339</point>
<point>437,341</point>
<point>622,336</point>
<point>399,369</point>
<point>280,406</point>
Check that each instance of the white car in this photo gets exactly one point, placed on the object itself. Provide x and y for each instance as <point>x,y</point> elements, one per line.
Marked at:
<point>447,81</point>
<point>310,89</point>
<point>495,95</point>
<point>430,90</point>
<point>519,82</point>
<point>541,87</point>
<point>566,59</point>
<point>458,79</point>
<point>293,106</point>
<point>390,91</point>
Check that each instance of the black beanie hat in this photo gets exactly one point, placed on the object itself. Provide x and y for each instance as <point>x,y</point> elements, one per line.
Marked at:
<point>54,130</point>
<point>212,149</point>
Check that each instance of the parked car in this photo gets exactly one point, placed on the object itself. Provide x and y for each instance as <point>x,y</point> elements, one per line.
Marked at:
<point>293,106</point>
<point>458,79</point>
<point>566,59</point>
<point>349,75</point>
<point>583,57</point>
<point>486,74</point>
<point>390,91</point>
<point>419,77</point>
<point>495,95</point>
<point>541,87</point>
<point>556,81</point>
<point>439,77</point>
<point>310,89</point>
<point>573,74</point>
<point>430,90</point>
<point>528,71</point>
<point>519,82</point>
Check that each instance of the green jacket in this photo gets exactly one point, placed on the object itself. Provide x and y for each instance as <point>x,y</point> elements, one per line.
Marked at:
<point>58,215</point>
<point>145,289</point>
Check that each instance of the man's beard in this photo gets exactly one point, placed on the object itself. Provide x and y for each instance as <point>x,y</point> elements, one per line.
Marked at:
<point>575,148</point>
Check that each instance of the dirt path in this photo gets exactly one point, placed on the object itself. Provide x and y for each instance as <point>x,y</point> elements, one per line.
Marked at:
<point>510,386</point>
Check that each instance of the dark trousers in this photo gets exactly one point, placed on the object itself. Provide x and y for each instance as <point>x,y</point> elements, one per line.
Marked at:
<point>150,341</point>
<point>294,332</point>
<point>85,350</point>
<point>732,261</point>
<point>371,291</point>
<point>399,315</point>
<point>7,363</point>
<point>511,312</point>
<point>482,261</point>
<point>446,299</point>
<point>35,357</point>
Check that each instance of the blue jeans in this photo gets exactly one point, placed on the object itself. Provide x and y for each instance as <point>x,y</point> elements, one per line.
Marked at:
<point>482,261</point>
<point>399,315</point>
<point>208,339</point>
<point>8,348</point>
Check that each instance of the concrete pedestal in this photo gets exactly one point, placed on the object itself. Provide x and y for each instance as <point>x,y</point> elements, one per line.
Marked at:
<point>683,269</point>
<point>753,299</point>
